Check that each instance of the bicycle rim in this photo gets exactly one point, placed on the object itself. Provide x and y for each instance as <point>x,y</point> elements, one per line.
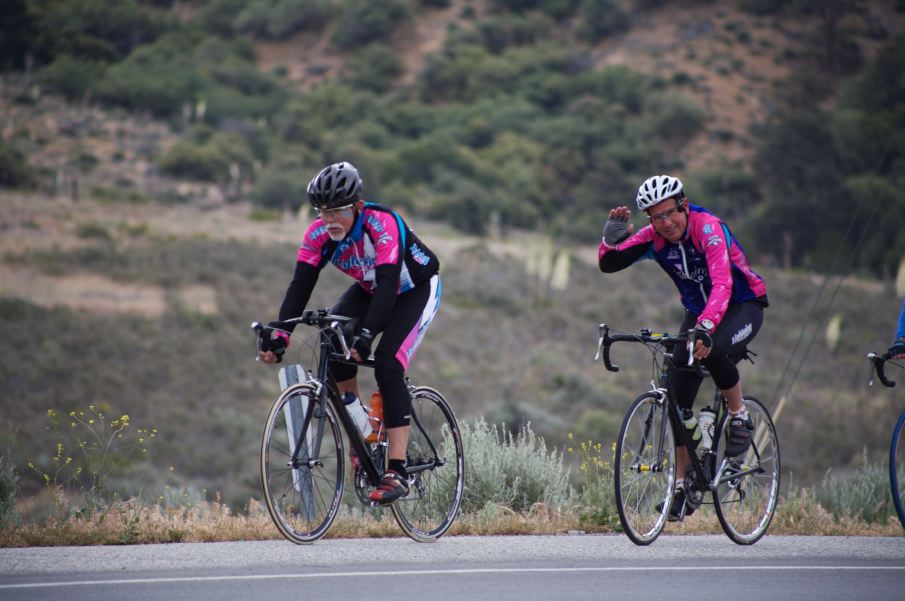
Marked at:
<point>644,469</point>
<point>745,505</point>
<point>436,490</point>
<point>897,468</point>
<point>302,501</point>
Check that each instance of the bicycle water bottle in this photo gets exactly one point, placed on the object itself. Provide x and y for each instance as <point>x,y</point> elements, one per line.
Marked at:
<point>376,416</point>
<point>691,427</point>
<point>358,413</point>
<point>705,421</point>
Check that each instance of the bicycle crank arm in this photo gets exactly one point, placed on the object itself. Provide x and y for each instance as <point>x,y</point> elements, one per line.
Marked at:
<point>423,467</point>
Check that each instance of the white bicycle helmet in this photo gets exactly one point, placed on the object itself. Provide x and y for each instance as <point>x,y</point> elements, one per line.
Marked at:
<point>656,189</point>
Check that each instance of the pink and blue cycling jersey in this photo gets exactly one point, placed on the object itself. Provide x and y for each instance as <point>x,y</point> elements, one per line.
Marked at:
<point>380,252</point>
<point>379,237</point>
<point>708,265</point>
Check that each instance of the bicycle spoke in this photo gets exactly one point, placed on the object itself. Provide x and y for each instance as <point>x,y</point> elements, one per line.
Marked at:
<point>745,504</point>
<point>643,478</point>
<point>436,493</point>
<point>303,501</point>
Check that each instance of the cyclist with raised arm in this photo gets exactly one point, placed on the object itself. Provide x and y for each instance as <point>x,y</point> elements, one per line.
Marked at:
<point>396,294</point>
<point>897,350</point>
<point>723,298</point>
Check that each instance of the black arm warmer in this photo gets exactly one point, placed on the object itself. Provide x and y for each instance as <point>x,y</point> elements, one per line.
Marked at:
<point>299,292</point>
<point>617,260</point>
<point>387,280</point>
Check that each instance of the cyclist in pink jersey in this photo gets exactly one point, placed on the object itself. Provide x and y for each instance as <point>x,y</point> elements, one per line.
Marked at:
<point>723,297</point>
<point>396,295</point>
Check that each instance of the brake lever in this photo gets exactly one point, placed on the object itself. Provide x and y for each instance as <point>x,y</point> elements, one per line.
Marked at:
<point>258,328</point>
<point>877,361</point>
<point>338,330</point>
<point>689,346</point>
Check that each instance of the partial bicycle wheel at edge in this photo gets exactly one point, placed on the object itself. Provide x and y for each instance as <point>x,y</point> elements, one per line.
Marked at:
<point>436,466</point>
<point>745,504</point>
<point>897,468</point>
<point>644,469</point>
<point>303,498</point>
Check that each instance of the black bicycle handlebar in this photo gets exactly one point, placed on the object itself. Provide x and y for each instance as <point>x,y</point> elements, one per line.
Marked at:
<point>318,318</point>
<point>879,362</point>
<point>645,336</point>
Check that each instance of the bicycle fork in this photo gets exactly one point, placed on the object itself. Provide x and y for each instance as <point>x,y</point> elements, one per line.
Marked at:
<point>648,433</point>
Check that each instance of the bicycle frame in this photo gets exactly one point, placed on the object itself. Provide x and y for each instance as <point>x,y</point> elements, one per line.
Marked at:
<point>704,471</point>
<point>328,391</point>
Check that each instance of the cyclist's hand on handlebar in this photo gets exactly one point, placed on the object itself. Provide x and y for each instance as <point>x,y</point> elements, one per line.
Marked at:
<point>269,357</point>
<point>897,350</point>
<point>361,345</point>
<point>272,346</point>
<point>359,340</point>
<point>702,343</point>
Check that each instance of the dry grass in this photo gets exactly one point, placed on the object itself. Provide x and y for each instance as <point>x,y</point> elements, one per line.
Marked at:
<point>131,523</point>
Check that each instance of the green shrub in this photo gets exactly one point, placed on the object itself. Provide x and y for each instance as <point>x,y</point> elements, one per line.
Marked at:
<point>92,231</point>
<point>70,76</point>
<point>374,68</point>
<point>93,30</point>
<point>9,487</point>
<point>863,494</point>
<point>279,19</point>
<point>728,191</point>
<point>191,161</point>
<point>512,470</point>
<point>558,9</point>
<point>159,78</point>
<point>529,29</point>
<point>675,117</point>
<point>280,189</point>
<point>208,157</point>
<point>14,169</point>
<point>603,18</point>
<point>364,21</point>
<point>218,16</point>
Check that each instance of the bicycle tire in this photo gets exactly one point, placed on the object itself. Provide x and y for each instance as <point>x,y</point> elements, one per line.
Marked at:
<point>644,470</point>
<point>435,493</point>
<point>897,468</point>
<point>302,501</point>
<point>745,505</point>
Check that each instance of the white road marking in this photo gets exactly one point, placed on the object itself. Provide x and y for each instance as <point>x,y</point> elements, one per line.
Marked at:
<point>647,569</point>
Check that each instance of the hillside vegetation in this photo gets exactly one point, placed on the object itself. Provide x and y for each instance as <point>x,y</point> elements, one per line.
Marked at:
<point>154,156</point>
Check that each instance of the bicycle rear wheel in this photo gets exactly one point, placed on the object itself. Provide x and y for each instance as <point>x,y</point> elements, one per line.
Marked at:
<point>745,504</point>
<point>644,469</point>
<point>897,468</point>
<point>303,498</point>
<point>436,466</point>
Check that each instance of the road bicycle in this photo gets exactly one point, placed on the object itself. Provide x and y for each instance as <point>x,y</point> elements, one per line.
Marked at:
<point>303,460</point>
<point>744,489</point>
<point>897,445</point>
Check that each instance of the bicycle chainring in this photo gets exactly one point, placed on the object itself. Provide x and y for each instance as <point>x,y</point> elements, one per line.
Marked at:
<point>694,491</point>
<point>363,486</point>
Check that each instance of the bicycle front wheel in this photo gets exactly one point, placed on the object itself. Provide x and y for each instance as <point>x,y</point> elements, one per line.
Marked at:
<point>436,466</point>
<point>644,469</point>
<point>897,468</point>
<point>746,496</point>
<point>302,469</point>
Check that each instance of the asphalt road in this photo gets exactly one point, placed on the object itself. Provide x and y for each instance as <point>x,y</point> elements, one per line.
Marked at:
<point>573,567</point>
